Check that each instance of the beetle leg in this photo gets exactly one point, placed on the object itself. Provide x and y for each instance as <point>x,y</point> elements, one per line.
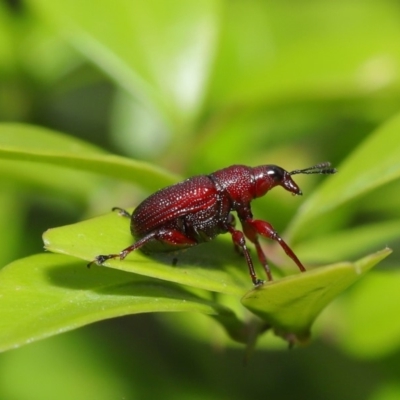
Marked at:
<point>102,258</point>
<point>174,238</point>
<point>252,234</point>
<point>170,236</point>
<point>263,259</point>
<point>240,242</point>
<point>252,227</point>
<point>232,222</point>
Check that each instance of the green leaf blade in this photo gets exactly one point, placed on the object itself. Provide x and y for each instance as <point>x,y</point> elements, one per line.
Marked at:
<point>48,294</point>
<point>375,162</point>
<point>171,79</point>
<point>291,304</point>
<point>19,142</point>
<point>370,325</point>
<point>213,270</point>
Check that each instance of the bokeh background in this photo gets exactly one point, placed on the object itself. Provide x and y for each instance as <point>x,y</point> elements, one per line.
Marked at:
<point>194,86</point>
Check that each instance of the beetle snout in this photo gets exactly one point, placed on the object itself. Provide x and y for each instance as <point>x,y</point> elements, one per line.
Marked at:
<point>290,185</point>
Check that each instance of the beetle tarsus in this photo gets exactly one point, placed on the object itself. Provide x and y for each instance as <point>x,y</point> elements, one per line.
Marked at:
<point>101,259</point>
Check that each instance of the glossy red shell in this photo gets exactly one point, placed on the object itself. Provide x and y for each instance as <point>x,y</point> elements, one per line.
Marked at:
<point>194,195</point>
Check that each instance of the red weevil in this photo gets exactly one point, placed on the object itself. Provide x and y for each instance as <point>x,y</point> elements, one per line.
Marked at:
<point>199,209</point>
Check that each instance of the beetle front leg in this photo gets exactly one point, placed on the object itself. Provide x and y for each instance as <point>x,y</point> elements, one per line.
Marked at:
<point>240,242</point>
<point>263,259</point>
<point>252,227</point>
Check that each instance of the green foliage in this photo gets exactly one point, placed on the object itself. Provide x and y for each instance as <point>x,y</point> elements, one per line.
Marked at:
<point>47,294</point>
<point>356,176</point>
<point>291,305</point>
<point>39,146</point>
<point>103,235</point>
<point>181,88</point>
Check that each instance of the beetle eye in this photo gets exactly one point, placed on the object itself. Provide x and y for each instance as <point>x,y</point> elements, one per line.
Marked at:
<point>275,172</point>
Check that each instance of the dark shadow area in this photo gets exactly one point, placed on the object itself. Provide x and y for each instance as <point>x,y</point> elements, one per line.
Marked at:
<point>109,281</point>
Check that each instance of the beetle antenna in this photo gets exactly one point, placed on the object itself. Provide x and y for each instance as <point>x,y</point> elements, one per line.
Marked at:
<point>321,168</point>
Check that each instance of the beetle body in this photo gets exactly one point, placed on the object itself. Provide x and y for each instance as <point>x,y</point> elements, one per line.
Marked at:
<point>200,208</point>
<point>193,208</point>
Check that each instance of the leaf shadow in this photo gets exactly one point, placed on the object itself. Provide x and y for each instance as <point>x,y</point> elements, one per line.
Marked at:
<point>72,274</point>
<point>211,255</point>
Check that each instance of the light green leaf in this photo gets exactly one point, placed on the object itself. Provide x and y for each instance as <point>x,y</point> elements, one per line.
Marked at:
<point>20,142</point>
<point>333,247</point>
<point>388,390</point>
<point>271,53</point>
<point>375,162</point>
<point>291,304</point>
<point>10,233</point>
<point>209,266</point>
<point>169,74</point>
<point>48,294</point>
<point>7,52</point>
<point>370,325</point>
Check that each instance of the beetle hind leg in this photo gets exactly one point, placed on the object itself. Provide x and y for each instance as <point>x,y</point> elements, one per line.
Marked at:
<point>170,237</point>
<point>102,258</point>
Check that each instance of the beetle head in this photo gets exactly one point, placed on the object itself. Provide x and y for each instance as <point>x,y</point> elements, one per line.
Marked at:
<point>269,176</point>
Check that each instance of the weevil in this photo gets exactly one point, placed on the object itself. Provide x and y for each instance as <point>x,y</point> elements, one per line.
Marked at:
<point>200,208</point>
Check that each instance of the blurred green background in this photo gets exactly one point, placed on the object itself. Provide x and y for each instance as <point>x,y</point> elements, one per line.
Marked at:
<point>194,86</point>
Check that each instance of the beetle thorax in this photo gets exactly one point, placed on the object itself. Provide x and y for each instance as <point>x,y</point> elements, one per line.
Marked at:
<point>238,182</point>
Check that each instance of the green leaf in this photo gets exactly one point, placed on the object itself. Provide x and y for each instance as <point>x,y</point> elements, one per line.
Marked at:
<point>342,245</point>
<point>268,52</point>
<point>7,52</point>
<point>11,232</point>
<point>208,266</point>
<point>169,74</point>
<point>79,358</point>
<point>375,162</point>
<point>27,143</point>
<point>290,305</point>
<point>370,324</point>
<point>47,294</point>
